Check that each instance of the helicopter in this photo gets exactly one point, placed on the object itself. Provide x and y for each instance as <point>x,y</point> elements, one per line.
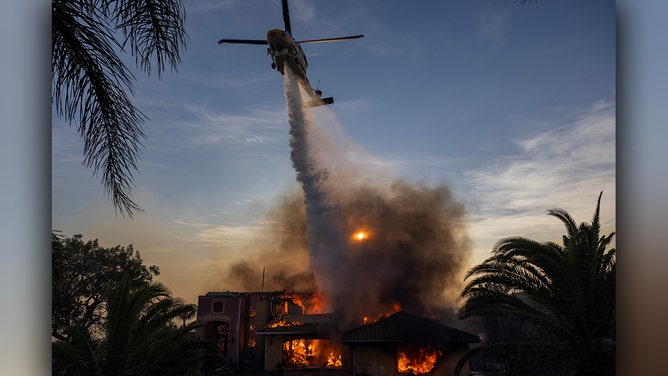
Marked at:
<point>285,50</point>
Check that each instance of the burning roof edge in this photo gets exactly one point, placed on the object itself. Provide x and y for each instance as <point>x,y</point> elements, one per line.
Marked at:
<point>405,327</point>
<point>309,328</point>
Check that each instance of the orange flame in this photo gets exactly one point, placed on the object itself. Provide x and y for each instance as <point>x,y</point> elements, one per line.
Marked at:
<point>308,304</point>
<point>333,360</point>
<point>396,307</point>
<point>419,363</point>
<point>298,301</point>
<point>360,235</point>
<point>283,322</point>
<point>311,353</point>
<point>317,303</point>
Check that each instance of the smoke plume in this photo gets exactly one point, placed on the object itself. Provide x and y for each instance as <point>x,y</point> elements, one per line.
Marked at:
<point>279,257</point>
<point>374,243</point>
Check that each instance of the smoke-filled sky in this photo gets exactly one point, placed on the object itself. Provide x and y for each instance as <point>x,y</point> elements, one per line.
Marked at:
<point>507,110</point>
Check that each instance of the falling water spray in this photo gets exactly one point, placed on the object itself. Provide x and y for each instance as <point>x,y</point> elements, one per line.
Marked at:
<point>322,234</point>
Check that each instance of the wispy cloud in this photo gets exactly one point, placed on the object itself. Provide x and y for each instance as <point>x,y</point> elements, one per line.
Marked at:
<point>207,6</point>
<point>237,82</point>
<point>230,236</point>
<point>492,24</point>
<point>258,126</point>
<point>565,167</point>
<point>198,124</point>
<point>302,10</point>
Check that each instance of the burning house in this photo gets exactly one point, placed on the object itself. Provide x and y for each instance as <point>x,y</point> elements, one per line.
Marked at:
<point>304,341</point>
<point>374,246</point>
<point>406,344</point>
<point>250,328</point>
<point>275,330</point>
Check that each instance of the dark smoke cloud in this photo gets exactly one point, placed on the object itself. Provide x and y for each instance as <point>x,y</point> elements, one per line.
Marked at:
<point>280,249</point>
<point>413,256</point>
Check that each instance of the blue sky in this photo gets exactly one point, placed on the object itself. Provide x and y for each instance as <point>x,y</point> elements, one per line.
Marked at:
<point>512,107</point>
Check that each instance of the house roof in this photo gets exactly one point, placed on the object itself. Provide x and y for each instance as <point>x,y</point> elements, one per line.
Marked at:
<point>405,327</point>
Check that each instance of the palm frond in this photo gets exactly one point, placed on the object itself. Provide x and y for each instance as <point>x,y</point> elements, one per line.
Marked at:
<point>118,325</point>
<point>522,2</point>
<point>91,86</point>
<point>154,30</point>
<point>567,220</point>
<point>567,290</point>
<point>79,352</point>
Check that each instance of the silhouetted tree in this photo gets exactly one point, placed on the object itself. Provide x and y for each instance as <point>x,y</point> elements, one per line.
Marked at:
<point>91,84</point>
<point>139,337</point>
<point>79,272</point>
<point>563,295</point>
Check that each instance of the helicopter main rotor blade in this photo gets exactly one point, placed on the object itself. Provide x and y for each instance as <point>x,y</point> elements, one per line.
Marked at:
<point>243,41</point>
<point>330,39</point>
<point>286,16</point>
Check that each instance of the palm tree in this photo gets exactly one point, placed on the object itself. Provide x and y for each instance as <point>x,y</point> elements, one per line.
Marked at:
<point>566,292</point>
<point>139,337</point>
<point>91,84</point>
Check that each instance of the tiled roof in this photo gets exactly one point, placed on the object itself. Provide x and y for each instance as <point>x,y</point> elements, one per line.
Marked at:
<point>405,327</point>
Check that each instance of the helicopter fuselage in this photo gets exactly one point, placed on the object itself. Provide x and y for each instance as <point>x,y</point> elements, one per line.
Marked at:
<point>283,50</point>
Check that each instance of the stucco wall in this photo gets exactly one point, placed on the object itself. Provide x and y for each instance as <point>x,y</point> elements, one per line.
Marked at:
<point>273,352</point>
<point>374,360</point>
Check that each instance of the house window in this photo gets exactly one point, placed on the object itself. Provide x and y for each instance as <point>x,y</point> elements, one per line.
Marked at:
<point>218,306</point>
<point>417,360</point>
